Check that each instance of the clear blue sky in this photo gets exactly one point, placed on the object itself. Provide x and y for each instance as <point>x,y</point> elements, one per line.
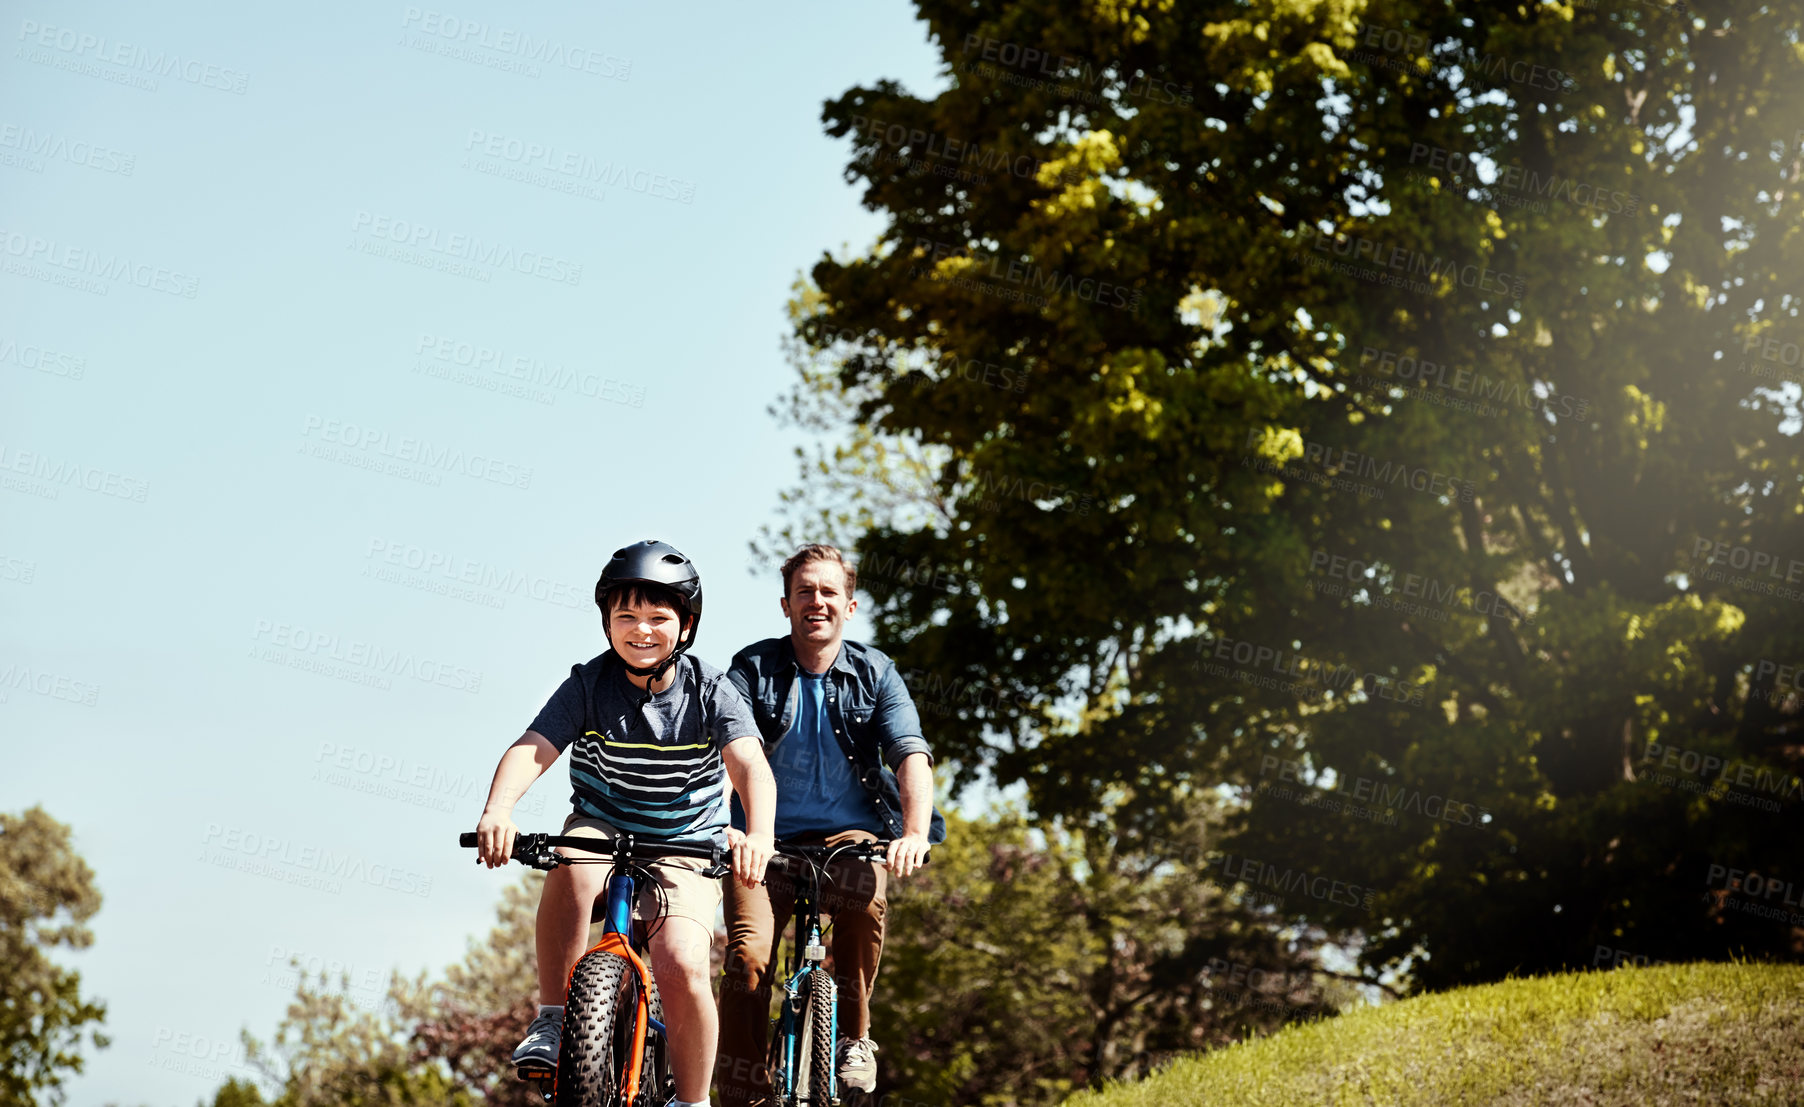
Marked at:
<point>273,538</point>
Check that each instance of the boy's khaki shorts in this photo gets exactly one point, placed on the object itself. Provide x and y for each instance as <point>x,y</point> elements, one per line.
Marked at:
<point>688,894</point>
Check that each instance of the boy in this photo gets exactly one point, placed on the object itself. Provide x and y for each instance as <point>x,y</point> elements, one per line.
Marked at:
<point>653,730</point>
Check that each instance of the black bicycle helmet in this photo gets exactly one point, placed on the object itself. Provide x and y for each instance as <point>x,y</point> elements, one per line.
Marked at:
<point>660,563</point>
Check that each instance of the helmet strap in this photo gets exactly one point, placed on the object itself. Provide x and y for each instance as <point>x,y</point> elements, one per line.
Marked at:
<point>655,672</point>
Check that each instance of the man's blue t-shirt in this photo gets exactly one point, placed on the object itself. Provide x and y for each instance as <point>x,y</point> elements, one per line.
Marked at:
<point>817,789</point>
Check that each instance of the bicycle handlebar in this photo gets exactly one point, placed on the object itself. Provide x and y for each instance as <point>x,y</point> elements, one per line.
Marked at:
<point>877,851</point>
<point>536,850</point>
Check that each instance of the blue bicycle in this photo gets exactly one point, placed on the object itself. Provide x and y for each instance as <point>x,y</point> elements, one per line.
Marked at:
<point>615,1051</point>
<point>801,1052</point>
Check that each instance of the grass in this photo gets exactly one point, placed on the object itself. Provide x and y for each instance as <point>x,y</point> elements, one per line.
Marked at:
<point>1666,1034</point>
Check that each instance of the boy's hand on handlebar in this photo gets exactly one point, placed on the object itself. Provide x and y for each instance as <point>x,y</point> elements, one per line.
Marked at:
<point>751,854</point>
<point>907,853</point>
<point>495,839</point>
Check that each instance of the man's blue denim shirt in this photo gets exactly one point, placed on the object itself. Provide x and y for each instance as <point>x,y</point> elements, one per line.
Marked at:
<point>866,700</point>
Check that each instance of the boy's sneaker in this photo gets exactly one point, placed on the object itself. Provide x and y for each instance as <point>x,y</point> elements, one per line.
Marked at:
<point>539,1050</point>
<point>857,1063</point>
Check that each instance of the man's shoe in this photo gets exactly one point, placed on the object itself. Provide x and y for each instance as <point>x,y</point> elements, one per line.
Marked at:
<point>857,1062</point>
<point>539,1050</point>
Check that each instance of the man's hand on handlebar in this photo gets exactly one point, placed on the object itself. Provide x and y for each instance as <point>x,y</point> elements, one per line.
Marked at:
<point>495,839</point>
<point>907,853</point>
<point>751,853</point>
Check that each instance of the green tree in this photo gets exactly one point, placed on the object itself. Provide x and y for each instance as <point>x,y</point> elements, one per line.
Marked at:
<point>47,895</point>
<point>1367,408</point>
<point>435,1040</point>
<point>238,1093</point>
<point>1023,963</point>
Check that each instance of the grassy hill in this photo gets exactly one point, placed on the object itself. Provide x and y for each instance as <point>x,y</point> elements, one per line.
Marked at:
<point>1700,1033</point>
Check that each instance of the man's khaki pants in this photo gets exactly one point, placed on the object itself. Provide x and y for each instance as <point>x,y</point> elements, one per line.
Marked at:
<point>852,902</point>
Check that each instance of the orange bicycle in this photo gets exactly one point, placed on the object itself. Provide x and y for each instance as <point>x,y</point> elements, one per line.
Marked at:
<point>615,1051</point>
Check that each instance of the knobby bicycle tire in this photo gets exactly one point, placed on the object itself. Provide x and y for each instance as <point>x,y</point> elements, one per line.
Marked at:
<point>657,1077</point>
<point>814,1040</point>
<point>599,1007</point>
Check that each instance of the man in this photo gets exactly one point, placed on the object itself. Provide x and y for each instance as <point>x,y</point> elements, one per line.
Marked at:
<point>832,714</point>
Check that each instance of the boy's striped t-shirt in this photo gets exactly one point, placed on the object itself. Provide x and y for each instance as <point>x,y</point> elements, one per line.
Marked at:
<point>652,765</point>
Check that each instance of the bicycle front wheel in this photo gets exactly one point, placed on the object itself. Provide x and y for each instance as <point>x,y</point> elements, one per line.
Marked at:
<point>814,1042</point>
<point>657,1078</point>
<point>598,1020</point>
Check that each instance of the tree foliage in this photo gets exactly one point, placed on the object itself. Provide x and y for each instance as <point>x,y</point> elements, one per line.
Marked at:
<point>438,1041</point>
<point>47,895</point>
<point>442,1040</point>
<point>1372,409</point>
<point>1023,964</point>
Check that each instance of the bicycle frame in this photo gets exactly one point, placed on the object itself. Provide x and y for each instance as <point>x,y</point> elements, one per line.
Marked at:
<point>803,959</point>
<point>618,931</point>
<point>617,937</point>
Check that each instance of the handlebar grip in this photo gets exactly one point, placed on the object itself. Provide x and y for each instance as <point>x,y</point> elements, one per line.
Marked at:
<point>467,840</point>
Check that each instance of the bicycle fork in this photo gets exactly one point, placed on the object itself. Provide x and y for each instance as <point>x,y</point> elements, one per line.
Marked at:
<point>813,957</point>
